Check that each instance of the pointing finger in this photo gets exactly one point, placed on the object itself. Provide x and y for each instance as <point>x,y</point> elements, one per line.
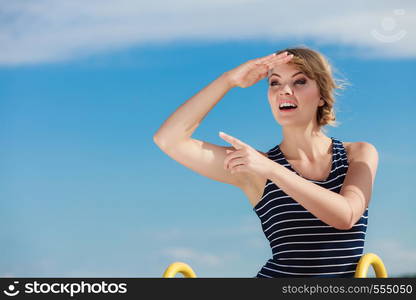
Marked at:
<point>232,140</point>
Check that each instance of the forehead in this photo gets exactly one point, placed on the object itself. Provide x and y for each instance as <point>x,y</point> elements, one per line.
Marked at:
<point>284,70</point>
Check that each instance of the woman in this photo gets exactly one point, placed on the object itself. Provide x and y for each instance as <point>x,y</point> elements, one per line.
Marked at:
<point>311,192</point>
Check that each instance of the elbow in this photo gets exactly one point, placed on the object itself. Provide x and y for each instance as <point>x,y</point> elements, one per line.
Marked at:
<point>164,143</point>
<point>343,226</point>
<point>346,220</point>
<point>156,139</point>
<point>167,140</point>
<point>159,141</point>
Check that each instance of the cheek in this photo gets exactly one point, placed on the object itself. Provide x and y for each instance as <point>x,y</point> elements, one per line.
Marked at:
<point>269,92</point>
<point>269,96</point>
<point>313,88</point>
<point>272,94</point>
<point>310,92</point>
<point>272,99</point>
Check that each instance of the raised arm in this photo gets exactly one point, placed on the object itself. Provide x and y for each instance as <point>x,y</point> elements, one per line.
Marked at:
<point>174,137</point>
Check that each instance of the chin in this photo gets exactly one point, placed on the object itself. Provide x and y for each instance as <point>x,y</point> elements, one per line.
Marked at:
<point>288,123</point>
<point>283,121</point>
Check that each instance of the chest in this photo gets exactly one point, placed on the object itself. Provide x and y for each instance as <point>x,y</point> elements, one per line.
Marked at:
<point>318,171</point>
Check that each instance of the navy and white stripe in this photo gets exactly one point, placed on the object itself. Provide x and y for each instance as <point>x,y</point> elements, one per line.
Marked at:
<point>302,245</point>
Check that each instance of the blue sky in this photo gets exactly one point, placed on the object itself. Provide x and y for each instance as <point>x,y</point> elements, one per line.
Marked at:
<point>84,191</point>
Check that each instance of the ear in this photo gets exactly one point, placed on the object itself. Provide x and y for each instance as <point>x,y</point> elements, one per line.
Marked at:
<point>321,102</point>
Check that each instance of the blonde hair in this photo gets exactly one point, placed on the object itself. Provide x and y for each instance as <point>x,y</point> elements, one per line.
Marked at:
<point>317,67</point>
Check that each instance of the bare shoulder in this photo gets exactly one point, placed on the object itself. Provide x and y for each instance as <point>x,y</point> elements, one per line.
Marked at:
<point>360,150</point>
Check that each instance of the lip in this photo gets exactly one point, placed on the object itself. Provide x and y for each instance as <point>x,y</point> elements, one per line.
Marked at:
<point>287,101</point>
<point>287,111</point>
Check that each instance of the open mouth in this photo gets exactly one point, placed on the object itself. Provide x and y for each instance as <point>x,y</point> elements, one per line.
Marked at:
<point>287,106</point>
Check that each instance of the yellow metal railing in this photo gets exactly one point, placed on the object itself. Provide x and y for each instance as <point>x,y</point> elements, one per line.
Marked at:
<point>364,263</point>
<point>360,272</point>
<point>179,267</point>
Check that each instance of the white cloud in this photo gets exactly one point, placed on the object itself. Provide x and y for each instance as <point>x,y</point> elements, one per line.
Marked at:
<point>37,31</point>
<point>228,252</point>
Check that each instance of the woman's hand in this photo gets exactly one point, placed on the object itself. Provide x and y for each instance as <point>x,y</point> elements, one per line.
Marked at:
<point>255,70</point>
<point>245,158</point>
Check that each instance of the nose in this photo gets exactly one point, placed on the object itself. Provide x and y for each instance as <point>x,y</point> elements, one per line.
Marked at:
<point>285,90</point>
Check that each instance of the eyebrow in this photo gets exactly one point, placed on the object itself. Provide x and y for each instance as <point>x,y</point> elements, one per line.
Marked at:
<point>280,77</point>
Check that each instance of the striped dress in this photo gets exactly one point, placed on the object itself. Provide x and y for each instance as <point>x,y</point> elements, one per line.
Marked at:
<point>302,245</point>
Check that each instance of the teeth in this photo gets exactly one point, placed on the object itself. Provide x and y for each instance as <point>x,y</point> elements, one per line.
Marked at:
<point>287,104</point>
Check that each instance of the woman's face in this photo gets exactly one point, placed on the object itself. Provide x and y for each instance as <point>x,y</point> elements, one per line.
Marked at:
<point>287,84</point>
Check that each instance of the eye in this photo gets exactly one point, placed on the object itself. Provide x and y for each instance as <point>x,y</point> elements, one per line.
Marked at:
<point>300,81</point>
<point>272,83</point>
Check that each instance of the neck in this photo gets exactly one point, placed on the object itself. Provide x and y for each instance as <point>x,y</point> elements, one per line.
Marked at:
<point>305,143</point>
